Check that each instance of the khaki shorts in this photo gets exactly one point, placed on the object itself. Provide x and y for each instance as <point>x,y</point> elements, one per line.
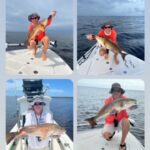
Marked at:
<point>111,129</point>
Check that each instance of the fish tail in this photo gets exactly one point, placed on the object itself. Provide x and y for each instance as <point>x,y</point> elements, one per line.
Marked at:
<point>10,136</point>
<point>123,55</point>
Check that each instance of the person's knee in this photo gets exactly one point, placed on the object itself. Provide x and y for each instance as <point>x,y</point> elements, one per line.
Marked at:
<point>102,51</point>
<point>106,135</point>
<point>32,43</point>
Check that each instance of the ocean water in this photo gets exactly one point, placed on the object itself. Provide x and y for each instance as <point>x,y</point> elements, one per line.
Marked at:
<point>62,109</point>
<point>64,39</point>
<point>90,100</point>
<point>130,33</point>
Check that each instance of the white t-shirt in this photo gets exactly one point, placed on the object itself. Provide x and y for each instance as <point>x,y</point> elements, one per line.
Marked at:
<point>32,119</point>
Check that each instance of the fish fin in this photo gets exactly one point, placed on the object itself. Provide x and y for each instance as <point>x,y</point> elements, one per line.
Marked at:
<point>123,55</point>
<point>10,136</point>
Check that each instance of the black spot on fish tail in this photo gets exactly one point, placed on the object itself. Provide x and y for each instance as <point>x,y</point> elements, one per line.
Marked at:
<point>10,136</point>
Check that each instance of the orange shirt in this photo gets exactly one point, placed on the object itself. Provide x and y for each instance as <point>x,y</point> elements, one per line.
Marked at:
<point>120,115</point>
<point>112,36</point>
<point>42,34</point>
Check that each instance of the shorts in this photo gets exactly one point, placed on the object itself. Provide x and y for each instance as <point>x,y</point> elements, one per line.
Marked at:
<point>46,148</point>
<point>111,129</point>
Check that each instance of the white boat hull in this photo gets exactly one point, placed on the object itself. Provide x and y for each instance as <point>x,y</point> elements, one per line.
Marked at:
<point>22,62</point>
<point>96,65</point>
<point>88,140</point>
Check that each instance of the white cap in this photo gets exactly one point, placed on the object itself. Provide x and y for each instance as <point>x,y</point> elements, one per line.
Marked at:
<point>36,99</point>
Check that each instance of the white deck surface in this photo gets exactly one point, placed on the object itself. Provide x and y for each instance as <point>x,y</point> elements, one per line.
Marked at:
<point>96,65</point>
<point>22,62</point>
<point>93,140</point>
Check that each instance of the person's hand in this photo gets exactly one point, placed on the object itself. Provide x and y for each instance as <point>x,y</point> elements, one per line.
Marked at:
<point>89,37</point>
<point>53,13</point>
<point>113,111</point>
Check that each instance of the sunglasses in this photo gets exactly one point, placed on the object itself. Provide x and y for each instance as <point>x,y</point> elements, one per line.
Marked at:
<point>34,18</point>
<point>36,104</point>
<point>107,27</point>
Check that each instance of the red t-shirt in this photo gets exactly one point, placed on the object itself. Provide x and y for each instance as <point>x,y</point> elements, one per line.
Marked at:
<point>120,115</point>
<point>112,36</point>
<point>41,34</point>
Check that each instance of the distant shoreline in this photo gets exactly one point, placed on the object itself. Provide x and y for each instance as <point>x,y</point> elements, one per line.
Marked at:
<point>45,95</point>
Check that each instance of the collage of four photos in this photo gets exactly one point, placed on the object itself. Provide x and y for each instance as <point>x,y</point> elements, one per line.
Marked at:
<point>41,103</point>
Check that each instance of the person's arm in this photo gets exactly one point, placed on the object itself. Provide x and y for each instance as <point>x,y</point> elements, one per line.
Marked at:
<point>49,118</point>
<point>101,33</point>
<point>28,119</point>
<point>50,18</point>
<point>114,36</point>
<point>30,28</point>
<point>90,37</point>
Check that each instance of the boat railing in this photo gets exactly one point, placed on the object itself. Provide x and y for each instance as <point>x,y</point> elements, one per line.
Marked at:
<point>86,55</point>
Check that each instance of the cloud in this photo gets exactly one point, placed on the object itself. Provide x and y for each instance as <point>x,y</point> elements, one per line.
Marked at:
<point>17,12</point>
<point>129,84</point>
<point>110,8</point>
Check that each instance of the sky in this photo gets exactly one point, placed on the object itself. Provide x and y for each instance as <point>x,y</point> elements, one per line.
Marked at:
<point>127,84</point>
<point>17,12</point>
<point>56,88</point>
<point>110,7</point>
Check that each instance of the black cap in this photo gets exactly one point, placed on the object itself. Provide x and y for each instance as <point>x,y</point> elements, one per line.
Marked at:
<point>32,16</point>
<point>116,87</point>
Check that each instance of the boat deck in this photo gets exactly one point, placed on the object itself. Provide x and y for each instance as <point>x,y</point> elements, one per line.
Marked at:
<point>22,62</point>
<point>95,65</point>
<point>87,140</point>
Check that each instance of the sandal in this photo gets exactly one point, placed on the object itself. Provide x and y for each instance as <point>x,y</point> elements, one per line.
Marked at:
<point>123,146</point>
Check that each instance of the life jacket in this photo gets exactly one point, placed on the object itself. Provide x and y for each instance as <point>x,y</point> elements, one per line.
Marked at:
<point>41,34</point>
<point>112,37</point>
<point>120,115</point>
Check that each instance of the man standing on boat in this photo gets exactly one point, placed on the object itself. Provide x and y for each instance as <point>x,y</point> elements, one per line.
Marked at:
<point>116,120</point>
<point>36,117</point>
<point>107,31</point>
<point>42,37</point>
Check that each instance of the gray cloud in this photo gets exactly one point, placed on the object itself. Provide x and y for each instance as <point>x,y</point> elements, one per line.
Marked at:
<point>17,12</point>
<point>110,8</point>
